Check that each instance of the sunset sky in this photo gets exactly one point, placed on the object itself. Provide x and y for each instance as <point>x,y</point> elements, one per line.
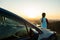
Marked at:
<point>33,9</point>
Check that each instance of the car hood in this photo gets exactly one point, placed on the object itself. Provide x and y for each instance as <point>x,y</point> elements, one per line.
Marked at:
<point>45,33</point>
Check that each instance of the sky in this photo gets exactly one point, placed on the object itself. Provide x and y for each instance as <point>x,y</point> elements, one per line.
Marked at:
<point>33,9</point>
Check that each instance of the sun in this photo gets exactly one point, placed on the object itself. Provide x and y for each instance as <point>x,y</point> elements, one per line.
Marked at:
<point>30,12</point>
<point>31,15</point>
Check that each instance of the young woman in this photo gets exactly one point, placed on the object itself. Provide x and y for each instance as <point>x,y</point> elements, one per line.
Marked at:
<point>44,21</point>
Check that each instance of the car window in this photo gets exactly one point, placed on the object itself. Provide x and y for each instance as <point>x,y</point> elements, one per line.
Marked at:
<point>13,26</point>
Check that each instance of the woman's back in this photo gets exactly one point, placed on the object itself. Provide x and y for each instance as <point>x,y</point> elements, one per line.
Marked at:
<point>43,23</point>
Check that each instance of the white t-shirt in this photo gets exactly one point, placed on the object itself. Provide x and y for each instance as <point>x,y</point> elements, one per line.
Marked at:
<point>44,23</point>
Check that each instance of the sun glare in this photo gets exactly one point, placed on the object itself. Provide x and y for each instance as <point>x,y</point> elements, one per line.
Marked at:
<point>31,15</point>
<point>30,12</point>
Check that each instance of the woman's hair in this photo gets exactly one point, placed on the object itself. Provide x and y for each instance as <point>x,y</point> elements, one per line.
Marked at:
<point>43,14</point>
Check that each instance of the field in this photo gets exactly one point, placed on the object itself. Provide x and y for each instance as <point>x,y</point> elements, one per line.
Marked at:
<point>54,25</point>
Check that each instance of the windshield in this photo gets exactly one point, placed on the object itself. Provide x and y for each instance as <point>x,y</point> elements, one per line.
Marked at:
<point>10,27</point>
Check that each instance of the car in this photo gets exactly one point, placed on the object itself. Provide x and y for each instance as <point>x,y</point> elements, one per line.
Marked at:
<point>14,27</point>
